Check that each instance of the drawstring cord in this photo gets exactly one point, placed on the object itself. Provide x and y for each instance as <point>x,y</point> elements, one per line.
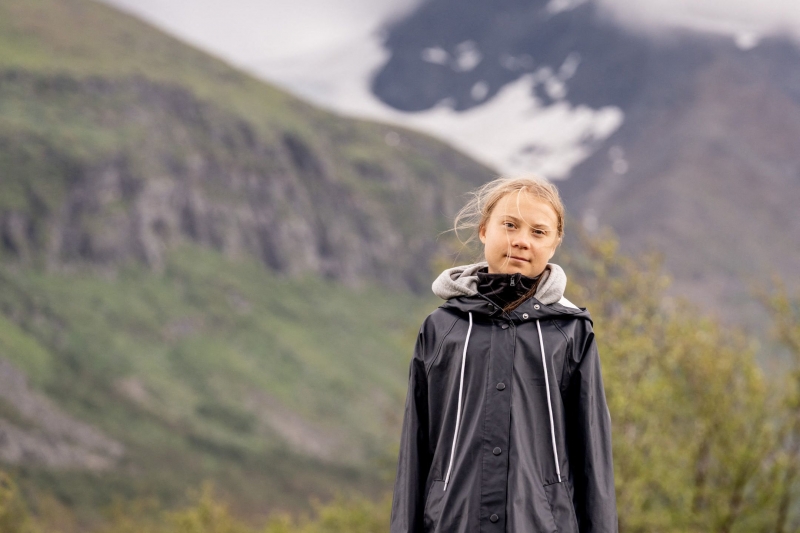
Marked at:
<point>549,402</point>
<point>461,390</point>
<point>458,410</point>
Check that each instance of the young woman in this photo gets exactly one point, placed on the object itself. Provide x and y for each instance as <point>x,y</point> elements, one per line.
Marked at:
<point>506,426</point>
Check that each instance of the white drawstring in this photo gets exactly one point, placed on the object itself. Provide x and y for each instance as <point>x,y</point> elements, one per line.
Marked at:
<point>458,410</point>
<point>549,403</point>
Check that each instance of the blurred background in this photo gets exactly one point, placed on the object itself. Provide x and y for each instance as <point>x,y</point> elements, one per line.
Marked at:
<point>219,222</point>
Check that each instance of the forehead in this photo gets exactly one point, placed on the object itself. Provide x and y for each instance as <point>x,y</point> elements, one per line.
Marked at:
<point>527,207</point>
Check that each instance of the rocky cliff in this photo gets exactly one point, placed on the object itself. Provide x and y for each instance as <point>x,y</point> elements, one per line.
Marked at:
<point>350,201</point>
<point>108,158</point>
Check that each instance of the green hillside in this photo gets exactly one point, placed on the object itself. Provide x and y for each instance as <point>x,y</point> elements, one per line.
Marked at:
<point>275,389</point>
<point>90,39</point>
<point>201,277</point>
<point>119,142</point>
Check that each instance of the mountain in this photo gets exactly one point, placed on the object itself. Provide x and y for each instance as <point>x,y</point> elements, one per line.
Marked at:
<point>183,147</point>
<point>701,160</point>
<point>679,138</point>
<point>201,276</point>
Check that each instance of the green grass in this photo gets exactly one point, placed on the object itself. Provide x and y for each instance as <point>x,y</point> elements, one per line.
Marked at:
<point>25,351</point>
<point>40,35</point>
<point>212,344</point>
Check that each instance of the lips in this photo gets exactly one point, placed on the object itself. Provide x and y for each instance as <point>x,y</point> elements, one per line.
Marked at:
<point>515,258</point>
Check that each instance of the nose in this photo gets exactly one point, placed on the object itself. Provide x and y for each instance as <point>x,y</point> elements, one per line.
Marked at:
<point>520,240</point>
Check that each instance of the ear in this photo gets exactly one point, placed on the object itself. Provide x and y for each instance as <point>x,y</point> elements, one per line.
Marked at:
<point>482,234</point>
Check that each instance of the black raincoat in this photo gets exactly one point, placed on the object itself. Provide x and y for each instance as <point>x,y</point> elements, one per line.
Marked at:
<point>532,452</point>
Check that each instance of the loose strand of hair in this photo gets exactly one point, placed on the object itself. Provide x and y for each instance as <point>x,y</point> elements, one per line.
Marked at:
<point>532,292</point>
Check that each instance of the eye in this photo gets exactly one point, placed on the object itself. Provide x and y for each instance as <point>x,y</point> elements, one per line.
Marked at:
<point>539,232</point>
<point>509,225</point>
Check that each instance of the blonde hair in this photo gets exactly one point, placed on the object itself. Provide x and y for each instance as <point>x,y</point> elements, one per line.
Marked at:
<point>475,214</point>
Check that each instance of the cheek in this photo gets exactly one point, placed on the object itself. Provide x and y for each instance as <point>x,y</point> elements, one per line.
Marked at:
<point>549,249</point>
<point>493,238</point>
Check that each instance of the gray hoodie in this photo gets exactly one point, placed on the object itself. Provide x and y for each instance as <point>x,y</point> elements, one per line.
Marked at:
<point>463,281</point>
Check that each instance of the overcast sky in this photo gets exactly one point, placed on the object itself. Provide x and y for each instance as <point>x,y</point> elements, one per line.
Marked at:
<point>723,16</point>
<point>295,43</point>
<point>253,32</point>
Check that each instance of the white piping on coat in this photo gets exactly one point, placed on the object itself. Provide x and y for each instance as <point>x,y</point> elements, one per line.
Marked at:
<point>458,410</point>
<point>549,403</point>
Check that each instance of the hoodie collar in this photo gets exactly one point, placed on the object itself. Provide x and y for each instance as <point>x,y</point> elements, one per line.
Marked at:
<point>463,281</point>
<point>458,285</point>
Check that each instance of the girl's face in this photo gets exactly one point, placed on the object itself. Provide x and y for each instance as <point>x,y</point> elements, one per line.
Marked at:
<point>520,236</point>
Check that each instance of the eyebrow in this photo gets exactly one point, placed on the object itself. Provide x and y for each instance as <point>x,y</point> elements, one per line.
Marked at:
<point>537,225</point>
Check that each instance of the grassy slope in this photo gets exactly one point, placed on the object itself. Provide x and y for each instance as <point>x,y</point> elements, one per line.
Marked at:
<point>211,368</point>
<point>216,350</point>
<point>91,39</point>
<point>88,39</point>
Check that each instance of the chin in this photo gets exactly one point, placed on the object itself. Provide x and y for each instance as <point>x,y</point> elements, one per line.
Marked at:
<point>510,269</point>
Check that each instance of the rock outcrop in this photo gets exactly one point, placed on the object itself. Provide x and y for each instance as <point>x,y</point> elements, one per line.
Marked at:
<point>42,434</point>
<point>158,166</point>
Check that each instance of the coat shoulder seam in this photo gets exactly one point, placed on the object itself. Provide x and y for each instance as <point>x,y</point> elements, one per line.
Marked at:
<point>439,347</point>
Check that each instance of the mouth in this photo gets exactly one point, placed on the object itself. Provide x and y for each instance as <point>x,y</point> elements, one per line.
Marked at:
<point>520,259</point>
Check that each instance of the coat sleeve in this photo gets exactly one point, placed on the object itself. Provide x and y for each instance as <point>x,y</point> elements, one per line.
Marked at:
<point>414,459</point>
<point>589,440</point>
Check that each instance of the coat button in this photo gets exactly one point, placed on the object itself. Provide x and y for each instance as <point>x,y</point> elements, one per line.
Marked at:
<point>504,326</point>
<point>501,386</point>
<point>496,451</point>
<point>494,518</point>
<point>525,316</point>
<point>536,306</point>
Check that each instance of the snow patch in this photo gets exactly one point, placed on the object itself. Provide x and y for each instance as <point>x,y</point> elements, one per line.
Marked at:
<point>558,6</point>
<point>555,88</point>
<point>570,66</point>
<point>746,40</point>
<point>467,56</point>
<point>436,55</point>
<point>479,90</point>
<point>516,134</point>
<point>744,35</point>
<point>512,63</point>
<point>513,132</point>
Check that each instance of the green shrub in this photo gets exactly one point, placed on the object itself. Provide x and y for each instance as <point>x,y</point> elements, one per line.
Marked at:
<point>14,517</point>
